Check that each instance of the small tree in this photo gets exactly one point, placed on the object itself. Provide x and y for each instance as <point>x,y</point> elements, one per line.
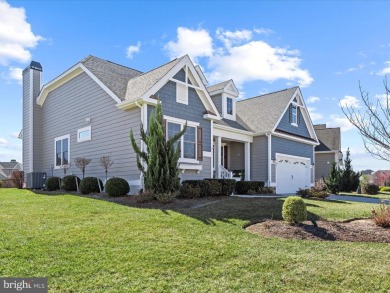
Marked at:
<point>18,178</point>
<point>161,174</point>
<point>106,163</point>
<point>66,168</point>
<point>333,180</point>
<point>349,179</point>
<point>82,163</point>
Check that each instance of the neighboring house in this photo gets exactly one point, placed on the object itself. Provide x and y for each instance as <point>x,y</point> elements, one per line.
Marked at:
<point>381,177</point>
<point>328,151</point>
<point>6,169</point>
<point>88,111</point>
<point>367,172</point>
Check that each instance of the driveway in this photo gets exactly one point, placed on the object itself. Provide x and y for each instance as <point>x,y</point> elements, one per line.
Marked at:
<point>357,199</point>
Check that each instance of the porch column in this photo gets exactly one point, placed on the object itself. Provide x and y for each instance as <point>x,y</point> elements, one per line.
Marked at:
<point>217,150</point>
<point>247,161</point>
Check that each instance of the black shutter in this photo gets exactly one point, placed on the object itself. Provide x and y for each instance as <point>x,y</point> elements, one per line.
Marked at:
<point>199,144</point>
<point>290,113</point>
<point>298,114</point>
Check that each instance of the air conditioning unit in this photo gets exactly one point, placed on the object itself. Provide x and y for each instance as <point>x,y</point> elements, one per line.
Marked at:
<point>36,180</point>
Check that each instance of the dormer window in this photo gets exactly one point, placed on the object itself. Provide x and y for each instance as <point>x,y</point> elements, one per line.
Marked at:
<point>229,106</point>
<point>294,114</point>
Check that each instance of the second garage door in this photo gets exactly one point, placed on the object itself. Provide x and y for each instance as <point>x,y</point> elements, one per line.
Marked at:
<point>292,173</point>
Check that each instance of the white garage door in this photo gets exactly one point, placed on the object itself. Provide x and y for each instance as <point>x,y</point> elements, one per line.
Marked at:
<point>292,173</point>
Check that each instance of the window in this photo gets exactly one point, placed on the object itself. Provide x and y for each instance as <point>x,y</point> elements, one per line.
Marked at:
<point>84,134</point>
<point>181,93</point>
<point>191,143</point>
<point>188,140</point>
<point>229,106</point>
<point>61,145</point>
<point>294,114</point>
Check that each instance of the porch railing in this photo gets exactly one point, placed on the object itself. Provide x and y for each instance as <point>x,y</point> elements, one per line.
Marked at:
<point>225,173</point>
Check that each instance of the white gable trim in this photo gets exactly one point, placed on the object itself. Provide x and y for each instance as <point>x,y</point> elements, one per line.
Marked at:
<point>235,93</point>
<point>290,137</point>
<point>67,76</point>
<point>205,97</point>
<point>305,114</point>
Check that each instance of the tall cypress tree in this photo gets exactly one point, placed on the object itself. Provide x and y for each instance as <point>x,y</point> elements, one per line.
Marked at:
<point>161,174</point>
<point>349,178</point>
<point>333,181</point>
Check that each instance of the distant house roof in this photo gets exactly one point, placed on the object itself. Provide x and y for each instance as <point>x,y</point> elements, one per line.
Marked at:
<point>6,168</point>
<point>367,172</point>
<point>113,75</point>
<point>139,85</point>
<point>261,113</point>
<point>218,86</point>
<point>329,138</point>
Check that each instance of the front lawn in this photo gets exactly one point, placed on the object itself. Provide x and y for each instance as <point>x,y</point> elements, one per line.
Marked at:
<point>88,245</point>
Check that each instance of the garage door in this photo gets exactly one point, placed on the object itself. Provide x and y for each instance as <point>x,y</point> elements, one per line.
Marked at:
<point>292,173</point>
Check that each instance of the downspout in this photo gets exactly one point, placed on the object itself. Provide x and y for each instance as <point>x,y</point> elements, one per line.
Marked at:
<point>268,134</point>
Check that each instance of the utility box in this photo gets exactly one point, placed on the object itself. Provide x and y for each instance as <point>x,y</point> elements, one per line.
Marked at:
<point>36,180</point>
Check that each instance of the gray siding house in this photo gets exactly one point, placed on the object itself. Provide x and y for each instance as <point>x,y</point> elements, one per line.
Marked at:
<point>328,151</point>
<point>88,111</point>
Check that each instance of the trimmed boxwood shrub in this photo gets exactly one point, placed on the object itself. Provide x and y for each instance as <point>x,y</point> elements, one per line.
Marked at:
<point>53,183</point>
<point>243,187</point>
<point>117,187</point>
<point>90,185</point>
<point>68,183</point>
<point>226,186</point>
<point>386,188</point>
<point>294,210</point>
<point>190,190</point>
<point>371,188</point>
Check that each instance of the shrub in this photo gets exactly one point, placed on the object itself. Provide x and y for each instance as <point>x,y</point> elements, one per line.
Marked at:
<point>117,187</point>
<point>303,192</point>
<point>18,178</point>
<point>212,187</point>
<point>165,197</point>
<point>1,184</point>
<point>243,187</point>
<point>294,210</point>
<point>371,188</point>
<point>90,185</point>
<point>145,196</point>
<point>68,183</point>
<point>225,186</point>
<point>320,185</point>
<point>53,183</point>
<point>267,190</point>
<point>381,216</point>
<point>190,191</point>
<point>386,188</point>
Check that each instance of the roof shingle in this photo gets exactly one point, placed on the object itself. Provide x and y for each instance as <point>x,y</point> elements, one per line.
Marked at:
<point>329,138</point>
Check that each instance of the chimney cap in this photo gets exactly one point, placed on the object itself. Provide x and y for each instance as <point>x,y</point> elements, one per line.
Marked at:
<point>35,65</point>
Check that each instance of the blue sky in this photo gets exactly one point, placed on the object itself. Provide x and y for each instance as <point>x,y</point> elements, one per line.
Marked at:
<point>326,47</point>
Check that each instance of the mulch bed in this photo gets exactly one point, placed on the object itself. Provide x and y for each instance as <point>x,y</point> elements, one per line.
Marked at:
<point>360,230</point>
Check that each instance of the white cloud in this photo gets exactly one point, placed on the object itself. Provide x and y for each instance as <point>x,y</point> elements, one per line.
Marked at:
<point>263,31</point>
<point>385,70</point>
<point>312,99</point>
<point>16,36</point>
<point>314,115</point>
<point>340,121</point>
<point>3,141</point>
<point>131,50</point>
<point>349,101</point>
<point>383,99</point>
<point>196,43</point>
<point>237,55</point>
<point>15,73</point>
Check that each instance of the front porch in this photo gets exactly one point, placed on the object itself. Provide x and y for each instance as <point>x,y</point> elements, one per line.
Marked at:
<point>231,158</point>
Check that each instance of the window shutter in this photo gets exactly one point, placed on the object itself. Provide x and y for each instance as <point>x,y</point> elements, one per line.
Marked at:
<point>298,114</point>
<point>199,144</point>
<point>290,112</point>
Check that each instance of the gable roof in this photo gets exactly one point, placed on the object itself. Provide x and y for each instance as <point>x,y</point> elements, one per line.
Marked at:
<point>329,138</point>
<point>238,124</point>
<point>218,86</point>
<point>262,113</point>
<point>8,165</point>
<point>113,75</point>
<point>139,85</point>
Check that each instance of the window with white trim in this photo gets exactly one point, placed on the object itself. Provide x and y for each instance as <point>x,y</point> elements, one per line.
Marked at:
<point>187,142</point>
<point>229,106</point>
<point>294,114</point>
<point>84,134</point>
<point>61,151</point>
<point>181,93</point>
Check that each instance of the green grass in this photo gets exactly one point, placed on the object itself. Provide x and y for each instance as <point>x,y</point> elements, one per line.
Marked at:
<point>87,245</point>
<point>380,195</point>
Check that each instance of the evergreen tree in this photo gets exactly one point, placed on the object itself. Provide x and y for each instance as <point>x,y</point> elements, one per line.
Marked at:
<point>349,178</point>
<point>161,175</point>
<point>334,179</point>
